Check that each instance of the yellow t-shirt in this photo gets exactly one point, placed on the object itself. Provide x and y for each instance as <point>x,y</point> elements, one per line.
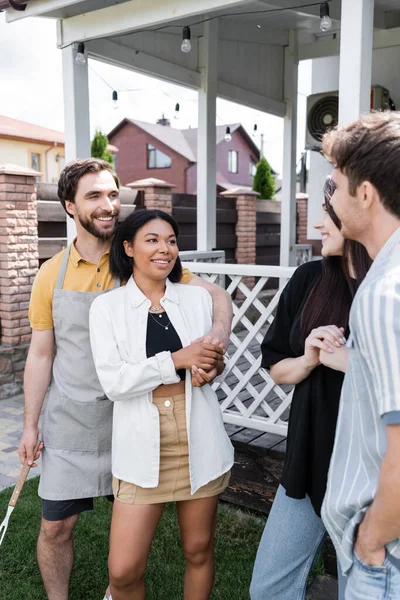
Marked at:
<point>81,276</point>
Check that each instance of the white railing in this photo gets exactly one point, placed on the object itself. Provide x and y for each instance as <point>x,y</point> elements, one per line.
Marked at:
<point>203,256</point>
<point>248,395</point>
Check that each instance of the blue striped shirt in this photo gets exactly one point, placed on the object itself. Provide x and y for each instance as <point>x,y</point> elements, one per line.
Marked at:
<point>370,400</point>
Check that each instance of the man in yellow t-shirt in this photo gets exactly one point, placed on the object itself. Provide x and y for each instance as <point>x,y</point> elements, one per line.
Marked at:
<point>76,445</point>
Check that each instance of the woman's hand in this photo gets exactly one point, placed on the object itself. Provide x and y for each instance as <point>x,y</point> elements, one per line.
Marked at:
<point>325,338</point>
<point>204,356</point>
<point>200,377</point>
<point>337,359</point>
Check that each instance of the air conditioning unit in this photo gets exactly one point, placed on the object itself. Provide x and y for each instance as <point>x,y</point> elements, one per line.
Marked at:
<point>323,113</point>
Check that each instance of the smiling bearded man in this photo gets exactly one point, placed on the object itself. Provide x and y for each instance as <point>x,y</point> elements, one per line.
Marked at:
<point>76,448</point>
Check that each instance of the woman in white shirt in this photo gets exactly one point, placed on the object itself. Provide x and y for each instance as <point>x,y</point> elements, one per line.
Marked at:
<point>169,441</point>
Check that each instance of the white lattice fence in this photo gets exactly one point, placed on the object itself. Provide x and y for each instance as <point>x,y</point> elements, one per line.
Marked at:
<point>248,396</point>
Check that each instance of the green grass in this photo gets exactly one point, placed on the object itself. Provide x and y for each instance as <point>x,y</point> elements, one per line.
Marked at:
<point>237,539</point>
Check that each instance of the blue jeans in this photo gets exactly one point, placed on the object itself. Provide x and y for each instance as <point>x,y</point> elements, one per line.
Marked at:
<point>365,582</point>
<point>289,546</point>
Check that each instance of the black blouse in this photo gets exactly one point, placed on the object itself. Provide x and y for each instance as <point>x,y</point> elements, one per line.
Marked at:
<point>315,404</point>
<point>162,336</point>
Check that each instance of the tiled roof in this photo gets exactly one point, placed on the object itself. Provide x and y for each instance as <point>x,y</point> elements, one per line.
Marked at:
<point>182,141</point>
<point>19,129</point>
<point>173,138</point>
<point>12,128</point>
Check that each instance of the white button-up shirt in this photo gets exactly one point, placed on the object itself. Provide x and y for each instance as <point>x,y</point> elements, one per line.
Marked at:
<point>118,328</point>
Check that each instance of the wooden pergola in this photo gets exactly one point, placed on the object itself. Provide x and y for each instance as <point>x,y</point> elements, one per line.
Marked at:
<point>245,51</point>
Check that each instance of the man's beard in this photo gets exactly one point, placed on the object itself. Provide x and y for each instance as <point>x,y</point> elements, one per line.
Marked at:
<point>89,225</point>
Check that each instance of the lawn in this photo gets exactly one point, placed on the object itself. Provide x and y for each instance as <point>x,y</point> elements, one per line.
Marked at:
<point>238,534</point>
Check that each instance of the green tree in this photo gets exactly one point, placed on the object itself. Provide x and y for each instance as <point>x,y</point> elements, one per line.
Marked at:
<point>99,147</point>
<point>264,181</point>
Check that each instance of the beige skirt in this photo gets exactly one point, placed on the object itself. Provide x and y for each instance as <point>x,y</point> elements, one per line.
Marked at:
<point>174,480</point>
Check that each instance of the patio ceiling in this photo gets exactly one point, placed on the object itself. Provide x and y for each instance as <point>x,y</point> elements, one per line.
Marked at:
<point>296,16</point>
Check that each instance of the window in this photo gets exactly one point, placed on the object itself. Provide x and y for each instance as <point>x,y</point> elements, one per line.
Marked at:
<point>252,167</point>
<point>233,161</point>
<point>61,162</point>
<point>157,159</point>
<point>35,164</point>
<point>35,161</point>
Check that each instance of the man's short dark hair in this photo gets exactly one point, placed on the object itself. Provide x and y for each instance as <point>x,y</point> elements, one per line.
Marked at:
<point>72,174</point>
<point>369,150</point>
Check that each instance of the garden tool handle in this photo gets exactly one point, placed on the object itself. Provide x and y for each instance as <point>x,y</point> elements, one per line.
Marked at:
<point>21,479</point>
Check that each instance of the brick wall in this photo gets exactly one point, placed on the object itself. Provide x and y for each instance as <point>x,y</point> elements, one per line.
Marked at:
<point>246,226</point>
<point>19,259</point>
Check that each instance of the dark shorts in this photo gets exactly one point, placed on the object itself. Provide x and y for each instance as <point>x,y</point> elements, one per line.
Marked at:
<point>58,510</point>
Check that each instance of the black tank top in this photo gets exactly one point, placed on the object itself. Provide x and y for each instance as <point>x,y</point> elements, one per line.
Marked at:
<point>161,337</point>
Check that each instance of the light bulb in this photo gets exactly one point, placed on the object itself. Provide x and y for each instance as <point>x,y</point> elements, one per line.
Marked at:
<point>115,99</point>
<point>228,135</point>
<point>186,45</point>
<point>80,58</point>
<point>326,24</point>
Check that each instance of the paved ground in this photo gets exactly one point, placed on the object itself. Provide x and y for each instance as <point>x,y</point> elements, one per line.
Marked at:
<point>11,424</point>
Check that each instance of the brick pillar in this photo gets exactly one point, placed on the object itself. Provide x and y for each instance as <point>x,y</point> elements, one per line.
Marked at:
<point>301,224</point>
<point>302,218</point>
<point>19,260</point>
<point>246,226</point>
<point>157,193</point>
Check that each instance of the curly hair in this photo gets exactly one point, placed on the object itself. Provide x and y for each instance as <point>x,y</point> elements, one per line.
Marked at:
<point>72,174</point>
<point>121,265</point>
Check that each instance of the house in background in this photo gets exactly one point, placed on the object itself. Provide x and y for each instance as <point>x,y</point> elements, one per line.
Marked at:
<point>32,146</point>
<point>36,147</point>
<point>160,151</point>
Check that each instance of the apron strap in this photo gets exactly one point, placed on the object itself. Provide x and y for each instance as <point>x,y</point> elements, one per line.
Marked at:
<point>117,283</point>
<point>63,269</point>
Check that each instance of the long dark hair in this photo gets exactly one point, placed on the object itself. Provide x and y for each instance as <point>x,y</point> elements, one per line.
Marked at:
<point>121,264</point>
<point>331,297</point>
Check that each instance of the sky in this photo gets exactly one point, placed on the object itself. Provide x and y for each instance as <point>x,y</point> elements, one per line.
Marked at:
<point>31,90</point>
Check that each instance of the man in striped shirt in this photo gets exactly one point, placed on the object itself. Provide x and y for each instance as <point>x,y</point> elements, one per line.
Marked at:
<point>361,509</point>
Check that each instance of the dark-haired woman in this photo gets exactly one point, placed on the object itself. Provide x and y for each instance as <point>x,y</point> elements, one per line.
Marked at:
<point>169,440</point>
<point>301,349</point>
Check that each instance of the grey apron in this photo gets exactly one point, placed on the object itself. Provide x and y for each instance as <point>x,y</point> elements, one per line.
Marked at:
<point>77,423</point>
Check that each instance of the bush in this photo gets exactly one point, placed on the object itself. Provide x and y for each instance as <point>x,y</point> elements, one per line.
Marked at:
<point>99,147</point>
<point>264,181</point>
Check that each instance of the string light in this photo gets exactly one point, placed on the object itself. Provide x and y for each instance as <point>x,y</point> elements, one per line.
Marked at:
<point>186,45</point>
<point>115,99</point>
<point>80,58</point>
<point>326,22</point>
<point>228,135</point>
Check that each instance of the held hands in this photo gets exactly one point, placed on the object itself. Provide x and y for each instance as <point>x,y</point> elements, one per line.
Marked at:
<point>200,377</point>
<point>337,359</point>
<point>27,446</point>
<point>200,353</point>
<point>325,340</point>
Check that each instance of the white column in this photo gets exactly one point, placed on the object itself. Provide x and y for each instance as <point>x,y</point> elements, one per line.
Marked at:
<point>356,36</point>
<point>324,78</point>
<point>288,202</point>
<point>206,141</point>
<point>76,113</point>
